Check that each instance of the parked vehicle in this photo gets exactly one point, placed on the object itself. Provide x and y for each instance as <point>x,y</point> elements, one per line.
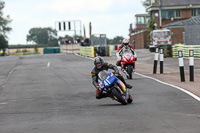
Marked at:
<point>114,87</point>
<point>159,38</point>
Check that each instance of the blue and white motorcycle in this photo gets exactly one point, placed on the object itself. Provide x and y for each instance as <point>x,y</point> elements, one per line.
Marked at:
<point>114,87</point>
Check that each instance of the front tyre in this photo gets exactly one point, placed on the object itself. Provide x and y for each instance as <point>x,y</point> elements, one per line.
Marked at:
<point>129,70</point>
<point>119,96</point>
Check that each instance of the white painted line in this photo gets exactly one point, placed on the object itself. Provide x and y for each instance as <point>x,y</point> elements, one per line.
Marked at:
<point>84,57</point>
<point>186,91</point>
<point>11,72</point>
<point>48,64</point>
<point>3,103</point>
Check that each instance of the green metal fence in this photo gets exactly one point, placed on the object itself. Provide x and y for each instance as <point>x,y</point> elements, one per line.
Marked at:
<point>51,50</point>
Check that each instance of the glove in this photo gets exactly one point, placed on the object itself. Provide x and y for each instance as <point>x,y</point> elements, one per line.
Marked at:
<point>99,88</point>
<point>117,73</point>
<point>136,59</point>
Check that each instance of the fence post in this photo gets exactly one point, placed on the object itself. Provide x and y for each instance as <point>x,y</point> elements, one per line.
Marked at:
<point>155,61</point>
<point>161,60</point>
<point>181,66</point>
<point>191,64</point>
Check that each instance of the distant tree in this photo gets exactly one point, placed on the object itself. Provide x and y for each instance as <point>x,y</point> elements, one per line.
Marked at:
<point>4,28</point>
<point>42,36</point>
<point>36,48</point>
<point>3,42</point>
<point>150,28</point>
<point>116,40</point>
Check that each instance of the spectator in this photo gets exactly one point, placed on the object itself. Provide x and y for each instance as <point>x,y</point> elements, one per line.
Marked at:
<point>1,52</point>
<point>7,52</point>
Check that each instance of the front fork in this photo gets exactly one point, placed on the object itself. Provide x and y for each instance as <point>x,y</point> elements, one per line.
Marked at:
<point>123,70</point>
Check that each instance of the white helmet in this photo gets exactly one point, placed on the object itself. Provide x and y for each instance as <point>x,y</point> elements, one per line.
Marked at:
<point>125,42</point>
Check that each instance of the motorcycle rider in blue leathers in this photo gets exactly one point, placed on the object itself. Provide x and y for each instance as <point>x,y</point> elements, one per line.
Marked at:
<point>100,65</point>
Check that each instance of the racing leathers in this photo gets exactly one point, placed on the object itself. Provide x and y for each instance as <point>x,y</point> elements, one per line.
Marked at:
<point>121,50</point>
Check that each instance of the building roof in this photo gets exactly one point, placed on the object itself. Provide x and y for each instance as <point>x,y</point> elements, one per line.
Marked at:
<point>166,3</point>
<point>191,21</point>
<point>175,4</point>
<point>142,15</point>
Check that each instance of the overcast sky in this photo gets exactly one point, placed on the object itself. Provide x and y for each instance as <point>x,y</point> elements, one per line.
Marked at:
<point>110,17</point>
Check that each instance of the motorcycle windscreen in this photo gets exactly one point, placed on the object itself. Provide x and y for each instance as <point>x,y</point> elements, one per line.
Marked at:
<point>107,78</point>
<point>103,75</point>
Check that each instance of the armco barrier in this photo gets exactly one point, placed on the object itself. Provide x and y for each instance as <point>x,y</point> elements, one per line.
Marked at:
<point>51,50</point>
<point>87,51</point>
<point>27,53</point>
<point>30,53</point>
<point>109,50</point>
<point>185,49</point>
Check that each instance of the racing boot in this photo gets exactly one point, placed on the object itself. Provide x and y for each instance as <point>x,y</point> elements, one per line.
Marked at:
<point>104,95</point>
<point>128,85</point>
<point>100,94</point>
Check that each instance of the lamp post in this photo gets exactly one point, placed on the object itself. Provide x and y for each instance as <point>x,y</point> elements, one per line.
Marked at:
<point>160,16</point>
<point>156,24</point>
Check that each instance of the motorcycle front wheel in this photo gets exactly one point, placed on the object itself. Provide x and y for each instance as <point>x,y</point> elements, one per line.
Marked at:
<point>129,70</point>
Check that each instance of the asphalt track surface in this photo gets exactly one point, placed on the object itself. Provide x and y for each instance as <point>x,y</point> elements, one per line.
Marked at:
<point>54,94</point>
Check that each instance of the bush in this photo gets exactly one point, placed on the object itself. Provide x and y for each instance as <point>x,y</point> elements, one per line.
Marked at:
<point>36,48</point>
<point>18,51</point>
<point>25,51</point>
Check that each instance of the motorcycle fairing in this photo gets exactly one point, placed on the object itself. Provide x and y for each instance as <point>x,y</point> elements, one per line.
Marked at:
<point>121,85</point>
<point>109,81</point>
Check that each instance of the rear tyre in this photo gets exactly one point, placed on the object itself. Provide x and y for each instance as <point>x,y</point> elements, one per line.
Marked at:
<point>130,100</point>
<point>119,96</point>
<point>129,70</point>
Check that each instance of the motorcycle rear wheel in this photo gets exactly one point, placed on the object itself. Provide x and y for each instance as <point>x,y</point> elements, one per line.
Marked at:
<point>119,96</point>
<point>130,99</point>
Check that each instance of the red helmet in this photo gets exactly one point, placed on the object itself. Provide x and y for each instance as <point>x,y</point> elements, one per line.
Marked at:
<point>125,42</point>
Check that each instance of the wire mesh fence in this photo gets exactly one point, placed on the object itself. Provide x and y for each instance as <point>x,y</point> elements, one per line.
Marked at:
<point>192,35</point>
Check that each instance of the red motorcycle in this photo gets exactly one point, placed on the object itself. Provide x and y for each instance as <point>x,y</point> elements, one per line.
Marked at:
<point>128,64</point>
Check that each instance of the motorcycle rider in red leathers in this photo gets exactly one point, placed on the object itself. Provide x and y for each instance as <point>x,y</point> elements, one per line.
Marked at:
<point>125,45</point>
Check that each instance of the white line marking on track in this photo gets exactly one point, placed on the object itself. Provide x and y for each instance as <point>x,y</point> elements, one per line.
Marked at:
<point>11,72</point>
<point>48,64</point>
<point>186,91</point>
<point>3,103</point>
